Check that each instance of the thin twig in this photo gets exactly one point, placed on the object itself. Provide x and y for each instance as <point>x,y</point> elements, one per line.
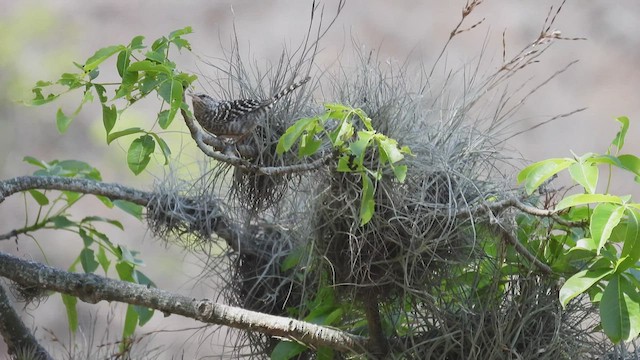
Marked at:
<point>509,238</point>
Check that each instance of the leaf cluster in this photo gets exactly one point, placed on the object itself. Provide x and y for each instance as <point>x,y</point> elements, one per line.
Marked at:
<point>142,70</point>
<point>98,251</point>
<point>355,141</point>
<point>598,244</point>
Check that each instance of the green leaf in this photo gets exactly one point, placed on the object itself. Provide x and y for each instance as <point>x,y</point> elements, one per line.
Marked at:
<point>367,203</point>
<point>36,162</point>
<point>72,81</point>
<point>389,147</point>
<point>631,236</point>
<point>70,303</point>
<point>61,221</point>
<point>309,145</point>
<point>142,279</point>
<point>536,174</point>
<point>62,121</point>
<point>103,259</point>
<point>359,147</point>
<point>151,81</point>
<point>618,141</point>
<point>181,43</point>
<point>88,261</point>
<point>149,66</point>
<point>77,168</point>
<point>286,350</point>
<point>125,270</point>
<point>109,116</point>
<point>177,33</point>
<point>166,151</point>
<point>101,55</point>
<point>400,171</point>
<point>119,134</point>
<point>123,62</point>
<point>289,138</point>
<point>617,309</point>
<point>163,119</point>
<point>347,163</point>
<point>158,55</point>
<point>325,353</point>
<point>129,257</point>
<point>605,217</point>
<point>86,238</point>
<point>631,163</point>
<point>130,322</point>
<point>343,133</point>
<point>581,282</point>
<point>583,199</point>
<point>130,208</point>
<point>171,92</point>
<point>115,223</point>
<point>129,81</point>
<point>102,92</point>
<point>136,43</point>
<point>292,260</point>
<point>39,99</point>
<point>39,197</point>
<point>139,153</point>
<point>105,200</point>
<point>585,174</point>
<point>605,159</point>
<point>144,314</point>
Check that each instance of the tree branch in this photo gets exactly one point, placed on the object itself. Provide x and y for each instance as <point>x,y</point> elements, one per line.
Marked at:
<point>15,334</point>
<point>93,288</point>
<point>111,190</point>
<point>217,146</point>
<point>509,238</point>
<point>499,206</point>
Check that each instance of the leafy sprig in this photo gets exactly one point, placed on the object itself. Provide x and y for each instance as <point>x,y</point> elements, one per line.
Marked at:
<point>143,70</point>
<point>98,251</point>
<point>603,258</point>
<point>354,144</point>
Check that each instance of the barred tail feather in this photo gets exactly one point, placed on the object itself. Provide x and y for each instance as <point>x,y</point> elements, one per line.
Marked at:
<point>286,91</point>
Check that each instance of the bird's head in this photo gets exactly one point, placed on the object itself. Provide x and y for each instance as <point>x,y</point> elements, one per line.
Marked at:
<point>201,103</point>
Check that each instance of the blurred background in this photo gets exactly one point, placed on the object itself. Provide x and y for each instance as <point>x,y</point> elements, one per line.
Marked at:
<point>39,40</point>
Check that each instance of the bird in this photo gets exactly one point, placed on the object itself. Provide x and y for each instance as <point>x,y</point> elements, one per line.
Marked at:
<point>234,120</point>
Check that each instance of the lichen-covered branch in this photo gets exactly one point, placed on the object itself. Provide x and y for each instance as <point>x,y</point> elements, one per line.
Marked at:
<point>84,186</point>
<point>92,288</point>
<point>18,338</point>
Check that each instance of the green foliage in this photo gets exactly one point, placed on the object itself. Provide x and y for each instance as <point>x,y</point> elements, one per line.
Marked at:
<point>143,70</point>
<point>326,311</point>
<point>354,148</point>
<point>598,246</point>
<point>98,251</point>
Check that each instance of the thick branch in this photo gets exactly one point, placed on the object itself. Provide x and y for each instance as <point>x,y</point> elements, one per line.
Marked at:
<point>378,344</point>
<point>15,334</point>
<point>224,227</point>
<point>84,186</point>
<point>93,288</point>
